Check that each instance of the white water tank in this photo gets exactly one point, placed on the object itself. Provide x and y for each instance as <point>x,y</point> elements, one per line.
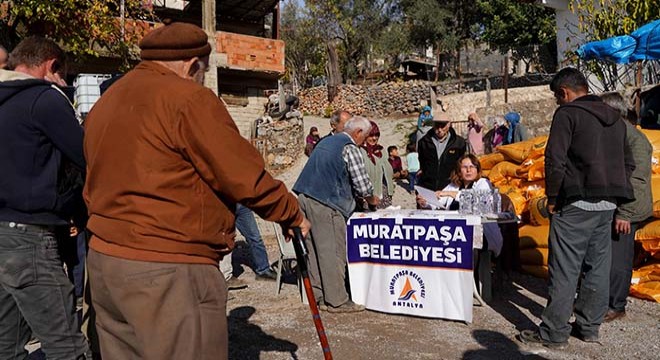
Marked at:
<point>88,90</point>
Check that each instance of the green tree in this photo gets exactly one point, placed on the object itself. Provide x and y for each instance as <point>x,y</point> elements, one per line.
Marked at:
<point>522,28</point>
<point>603,19</point>
<point>83,27</point>
<point>305,50</point>
<point>606,18</point>
<point>445,25</point>
<point>356,24</point>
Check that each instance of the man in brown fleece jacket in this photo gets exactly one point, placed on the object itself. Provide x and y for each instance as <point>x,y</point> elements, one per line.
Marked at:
<point>166,167</point>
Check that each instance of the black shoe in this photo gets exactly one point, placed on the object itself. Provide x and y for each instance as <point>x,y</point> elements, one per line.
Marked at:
<point>235,284</point>
<point>268,275</point>
<point>533,337</point>
<point>576,333</point>
<point>613,315</point>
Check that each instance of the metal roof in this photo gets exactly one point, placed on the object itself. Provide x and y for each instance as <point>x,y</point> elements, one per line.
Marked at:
<point>239,10</point>
<point>245,10</point>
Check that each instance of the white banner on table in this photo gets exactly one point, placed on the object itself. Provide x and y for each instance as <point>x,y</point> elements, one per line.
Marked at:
<point>419,266</point>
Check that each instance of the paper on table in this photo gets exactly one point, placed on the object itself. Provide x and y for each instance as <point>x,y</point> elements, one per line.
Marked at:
<point>429,196</point>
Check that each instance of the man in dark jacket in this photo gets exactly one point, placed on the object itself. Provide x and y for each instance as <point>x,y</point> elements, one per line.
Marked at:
<point>41,159</point>
<point>587,167</point>
<point>628,216</point>
<point>439,150</point>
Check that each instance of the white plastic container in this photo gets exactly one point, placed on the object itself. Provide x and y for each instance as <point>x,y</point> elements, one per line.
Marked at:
<point>88,90</point>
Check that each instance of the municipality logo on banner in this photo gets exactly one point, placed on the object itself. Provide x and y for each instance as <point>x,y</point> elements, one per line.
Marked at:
<point>416,266</point>
<point>409,296</point>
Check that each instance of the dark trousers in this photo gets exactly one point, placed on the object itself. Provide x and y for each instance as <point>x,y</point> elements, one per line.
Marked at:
<point>155,311</point>
<point>36,297</point>
<point>623,252</point>
<point>79,269</point>
<point>580,244</point>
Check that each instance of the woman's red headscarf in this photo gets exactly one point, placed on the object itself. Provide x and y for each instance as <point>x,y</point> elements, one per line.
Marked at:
<point>375,150</point>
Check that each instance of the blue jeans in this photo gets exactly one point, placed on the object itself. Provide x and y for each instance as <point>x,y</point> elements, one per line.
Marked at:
<point>246,224</point>
<point>412,179</point>
<point>36,297</point>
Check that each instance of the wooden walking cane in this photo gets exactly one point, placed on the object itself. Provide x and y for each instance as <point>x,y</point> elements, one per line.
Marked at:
<point>301,257</point>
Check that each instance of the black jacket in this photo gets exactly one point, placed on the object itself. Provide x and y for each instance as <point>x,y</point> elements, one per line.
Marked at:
<point>436,172</point>
<point>586,157</point>
<point>41,154</point>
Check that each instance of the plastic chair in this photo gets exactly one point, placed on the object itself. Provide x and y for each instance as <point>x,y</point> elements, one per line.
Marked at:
<point>287,255</point>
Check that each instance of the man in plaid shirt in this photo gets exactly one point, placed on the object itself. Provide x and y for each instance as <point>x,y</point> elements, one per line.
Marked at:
<point>332,179</point>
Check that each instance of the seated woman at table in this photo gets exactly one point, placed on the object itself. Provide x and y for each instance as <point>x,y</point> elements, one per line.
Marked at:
<point>466,175</point>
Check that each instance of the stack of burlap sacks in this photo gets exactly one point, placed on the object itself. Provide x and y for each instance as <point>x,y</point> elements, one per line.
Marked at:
<point>518,170</point>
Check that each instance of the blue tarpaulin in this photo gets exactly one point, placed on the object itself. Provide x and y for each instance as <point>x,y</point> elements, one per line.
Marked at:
<point>641,44</point>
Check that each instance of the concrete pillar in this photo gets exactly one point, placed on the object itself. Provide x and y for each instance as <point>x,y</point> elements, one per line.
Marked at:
<point>208,22</point>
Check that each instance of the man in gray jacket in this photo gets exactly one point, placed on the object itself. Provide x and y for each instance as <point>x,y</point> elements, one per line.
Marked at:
<point>628,216</point>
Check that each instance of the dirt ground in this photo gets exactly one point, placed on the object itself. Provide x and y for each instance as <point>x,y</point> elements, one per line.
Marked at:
<point>264,325</point>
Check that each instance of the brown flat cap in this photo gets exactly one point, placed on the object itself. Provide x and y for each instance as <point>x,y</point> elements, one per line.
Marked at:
<point>176,41</point>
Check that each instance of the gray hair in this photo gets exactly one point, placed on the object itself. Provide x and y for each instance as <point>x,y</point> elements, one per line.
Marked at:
<point>357,122</point>
<point>616,101</point>
<point>334,119</point>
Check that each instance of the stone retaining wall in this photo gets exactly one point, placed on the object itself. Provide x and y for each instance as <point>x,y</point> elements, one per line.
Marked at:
<point>399,98</point>
<point>281,143</point>
<point>536,115</point>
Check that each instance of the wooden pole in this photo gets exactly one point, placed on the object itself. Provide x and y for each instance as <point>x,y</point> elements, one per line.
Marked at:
<point>506,80</point>
<point>487,92</point>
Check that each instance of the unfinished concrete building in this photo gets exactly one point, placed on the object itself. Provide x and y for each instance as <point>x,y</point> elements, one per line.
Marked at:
<point>247,57</point>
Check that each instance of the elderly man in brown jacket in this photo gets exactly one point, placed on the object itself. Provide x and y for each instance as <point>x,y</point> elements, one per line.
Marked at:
<point>166,167</point>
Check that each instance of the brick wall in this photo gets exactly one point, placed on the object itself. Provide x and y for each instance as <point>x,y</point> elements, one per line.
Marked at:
<point>243,52</point>
<point>244,116</point>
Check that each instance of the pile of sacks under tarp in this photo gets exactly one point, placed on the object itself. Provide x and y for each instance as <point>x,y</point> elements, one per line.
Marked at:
<point>518,170</point>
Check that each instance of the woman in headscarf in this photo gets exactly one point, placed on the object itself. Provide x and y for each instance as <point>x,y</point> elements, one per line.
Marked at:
<point>424,122</point>
<point>311,140</point>
<point>475,134</point>
<point>378,167</point>
<point>495,136</point>
<point>517,132</point>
